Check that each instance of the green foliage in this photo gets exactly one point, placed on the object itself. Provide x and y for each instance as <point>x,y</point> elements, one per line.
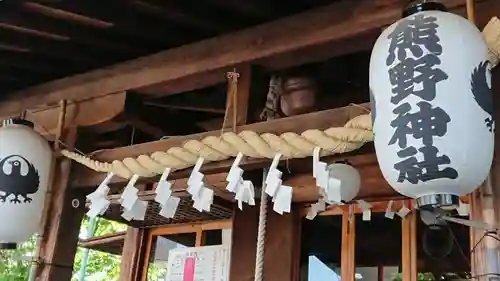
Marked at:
<point>15,264</point>
<point>100,266</point>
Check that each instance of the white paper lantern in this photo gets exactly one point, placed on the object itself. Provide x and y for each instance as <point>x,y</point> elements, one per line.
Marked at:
<point>430,88</point>
<point>349,177</point>
<point>25,162</point>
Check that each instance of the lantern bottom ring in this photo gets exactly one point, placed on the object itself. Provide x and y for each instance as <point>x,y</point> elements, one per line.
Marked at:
<point>8,246</point>
<point>443,201</point>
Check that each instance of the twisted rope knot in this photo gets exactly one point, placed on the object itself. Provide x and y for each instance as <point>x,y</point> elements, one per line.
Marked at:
<point>352,136</point>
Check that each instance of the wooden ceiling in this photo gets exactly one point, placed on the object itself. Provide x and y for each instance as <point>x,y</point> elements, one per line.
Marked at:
<point>42,40</point>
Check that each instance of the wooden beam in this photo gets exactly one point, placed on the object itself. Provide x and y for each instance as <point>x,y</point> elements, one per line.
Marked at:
<point>82,114</point>
<point>131,259</point>
<point>348,254</point>
<point>324,25</point>
<point>62,226</point>
<point>409,247</point>
<point>298,124</point>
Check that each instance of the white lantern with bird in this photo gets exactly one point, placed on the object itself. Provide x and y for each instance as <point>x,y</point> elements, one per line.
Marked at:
<point>25,162</point>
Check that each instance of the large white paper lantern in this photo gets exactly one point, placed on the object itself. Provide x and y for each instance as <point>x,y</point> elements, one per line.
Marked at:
<point>25,162</point>
<point>430,88</point>
<point>349,178</point>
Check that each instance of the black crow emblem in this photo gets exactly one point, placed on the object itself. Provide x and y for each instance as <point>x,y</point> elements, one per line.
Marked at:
<point>16,183</point>
<point>482,92</point>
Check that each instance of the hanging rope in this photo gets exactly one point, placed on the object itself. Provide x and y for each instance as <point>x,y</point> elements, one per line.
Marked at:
<point>334,140</point>
<point>271,109</point>
<point>261,234</point>
<point>232,99</point>
<point>270,112</point>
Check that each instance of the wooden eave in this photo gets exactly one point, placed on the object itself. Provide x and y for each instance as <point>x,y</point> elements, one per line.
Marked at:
<point>313,35</point>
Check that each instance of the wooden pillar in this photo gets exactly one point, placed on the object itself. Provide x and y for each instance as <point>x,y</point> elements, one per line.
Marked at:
<point>133,248</point>
<point>485,204</point>
<point>243,248</point>
<point>282,250</point>
<point>62,225</point>
<point>348,254</point>
<point>282,247</point>
<point>409,247</point>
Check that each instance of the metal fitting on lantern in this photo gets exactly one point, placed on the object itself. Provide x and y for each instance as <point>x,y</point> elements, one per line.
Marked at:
<point>18,121</point>
<point>415,6</point>
<point>441,201</point>
<point>8,246</point>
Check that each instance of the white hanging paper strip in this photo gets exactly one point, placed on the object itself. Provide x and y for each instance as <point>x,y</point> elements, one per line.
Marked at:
<point>195,190</point>
<point>240,192</point>
<point>315,209</point>
<point>129,197</point>
<point>273,174</point>
<point>365,207</point>
<point>273,179</point>
<point>165,174</point>
<point>132,181</point>
<point>403,211</point>
<point>272,186</point>
<point>195,178</point>
<point>367,215</point>
<point>245,194</point>
<point>315,160</point>
<point>322,175</point>
<point>333,191</point>
<point>320,205</point>
<point>102,191</point>
<point>233,178</point>
<point>320,171</point>
<point>283,200</point>
<point>234,172</point>
<point>207,198</point>
<point>388,211</point>
<point>98,207</point>
<point>463,208</point>
<point>204,202</point>
<point>127,215</point>
<point>198,164</point>
<point>170,207</point>
<point>311,214</point>
<point>139,210</point>
<point>163,191</point>
<point>249,192</point>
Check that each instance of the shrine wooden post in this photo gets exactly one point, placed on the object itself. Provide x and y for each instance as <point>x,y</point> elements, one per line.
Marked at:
<point>59,239</point>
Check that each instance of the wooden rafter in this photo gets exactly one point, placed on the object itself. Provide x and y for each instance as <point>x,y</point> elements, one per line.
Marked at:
<point>318,27</point>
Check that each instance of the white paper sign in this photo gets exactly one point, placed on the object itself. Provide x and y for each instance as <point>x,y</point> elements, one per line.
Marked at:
<point>208,263</point>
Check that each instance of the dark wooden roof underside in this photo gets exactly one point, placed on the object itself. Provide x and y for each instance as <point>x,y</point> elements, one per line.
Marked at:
<point>42,40</point>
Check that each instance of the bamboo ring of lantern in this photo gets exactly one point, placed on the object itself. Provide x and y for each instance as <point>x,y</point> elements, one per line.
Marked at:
<point>25,163</point>
<point>430,84</point>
